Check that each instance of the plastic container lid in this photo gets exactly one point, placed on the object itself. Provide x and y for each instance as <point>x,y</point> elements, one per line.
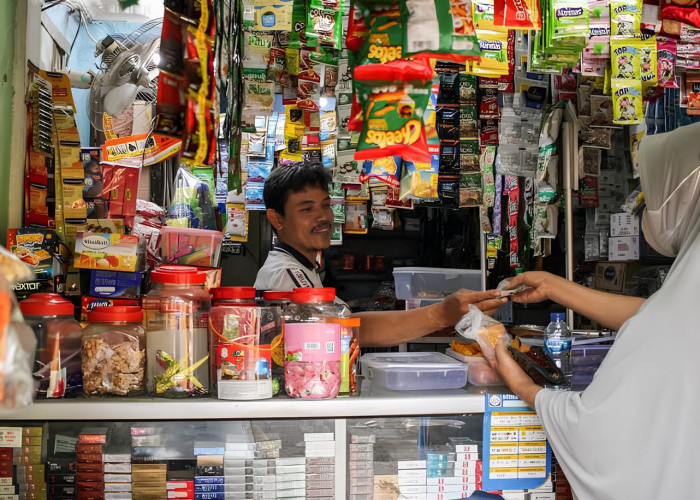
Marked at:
<point>116,314</point>
<point>554,317</point>
<point>273,295</point>
<point>178,275</point>
<point>313,295</point>
<point>233,293</point>
<point>411,361</point>
<point>46,304</point>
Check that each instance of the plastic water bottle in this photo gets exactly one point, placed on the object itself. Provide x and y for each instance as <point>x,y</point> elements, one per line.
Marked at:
<point>557,343</point>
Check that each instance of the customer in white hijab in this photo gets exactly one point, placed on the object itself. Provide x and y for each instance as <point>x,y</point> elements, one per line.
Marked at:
<point>634,433</point>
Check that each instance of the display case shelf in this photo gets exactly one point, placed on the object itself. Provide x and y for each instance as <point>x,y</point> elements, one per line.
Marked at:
<point>373,402</point>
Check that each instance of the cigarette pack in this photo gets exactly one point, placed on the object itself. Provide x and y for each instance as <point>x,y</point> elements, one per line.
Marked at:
<point>411,464</point>
<point>198,480</point>
<point>122,468</point>
<point>318,436</point>
<point>320,460</point>
<point>117,478</point>
<point>118,495</point>
<point>291,461</point>
<point>367,447</point>
<point>117,487</point>
<point>209,488</point>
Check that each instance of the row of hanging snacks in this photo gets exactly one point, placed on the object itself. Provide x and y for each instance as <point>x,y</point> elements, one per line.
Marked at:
<point>187,104</point>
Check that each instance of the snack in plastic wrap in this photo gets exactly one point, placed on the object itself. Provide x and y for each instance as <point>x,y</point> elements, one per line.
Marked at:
<point>627,102</point>
<point>666,60</point>
<point>192,204</point>
<point>313,380</point>
<point>475,325</point>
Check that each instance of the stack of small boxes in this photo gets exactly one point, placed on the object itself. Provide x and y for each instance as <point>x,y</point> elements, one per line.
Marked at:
<point>291,478</point>
<point>31,482</point>
<point>209,476</point>
<point>61,477</point>
<point>264,471</point>
<point>320,465</point>
<point>361,466</point>
<point>7,480</point>
<point>459,477</point>
<point>90,464</point>
<point>117,469</point>
<point>148,481</point>
<point>181,489</point>
<point>412,479</point>
<point>239,455</point>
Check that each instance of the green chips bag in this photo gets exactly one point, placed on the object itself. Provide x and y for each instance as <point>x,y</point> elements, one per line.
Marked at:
<point>439,27</point>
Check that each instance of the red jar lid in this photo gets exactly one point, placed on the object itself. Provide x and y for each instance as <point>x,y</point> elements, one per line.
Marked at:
<point>233,293</point>
<point>273,295</point>
<point>178,275</point>
<point>116,314</point>
<point>313,295</point>
<point>46,304</point>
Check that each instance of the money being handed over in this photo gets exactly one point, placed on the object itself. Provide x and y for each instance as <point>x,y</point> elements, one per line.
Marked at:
<point>507,293</point>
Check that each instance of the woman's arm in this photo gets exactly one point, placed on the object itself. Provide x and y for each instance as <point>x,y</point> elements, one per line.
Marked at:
<point>609,309</point>
<point>386,328</point>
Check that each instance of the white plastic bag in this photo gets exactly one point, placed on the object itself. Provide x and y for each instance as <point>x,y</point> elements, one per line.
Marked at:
<point>475,325</point>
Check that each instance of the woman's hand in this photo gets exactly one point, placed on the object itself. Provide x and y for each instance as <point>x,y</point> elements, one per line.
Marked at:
<point>515,378</point>
<point>540,284</point>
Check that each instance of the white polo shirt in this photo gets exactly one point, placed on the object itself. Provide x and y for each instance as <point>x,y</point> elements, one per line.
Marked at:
<point>286,269</point>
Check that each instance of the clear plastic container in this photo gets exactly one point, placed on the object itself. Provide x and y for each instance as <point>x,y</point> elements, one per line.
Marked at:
<point>114,352</point>
<point>240,335</point>
<point>480,372</point>
<point>414,371</point>
<point>176,317</point>
<point>58,335</point>
<point>192,247</point>
<point>433,283</point>
<point>276,301</point>
<point>312,344</point>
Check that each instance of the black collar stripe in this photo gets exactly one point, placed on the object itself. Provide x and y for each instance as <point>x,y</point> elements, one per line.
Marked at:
<point>283,247</point>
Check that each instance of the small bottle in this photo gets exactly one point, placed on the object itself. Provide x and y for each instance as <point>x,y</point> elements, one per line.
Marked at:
<point>557,343</point>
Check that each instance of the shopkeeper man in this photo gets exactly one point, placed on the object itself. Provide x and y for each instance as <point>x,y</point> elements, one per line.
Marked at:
<point>299,209</point>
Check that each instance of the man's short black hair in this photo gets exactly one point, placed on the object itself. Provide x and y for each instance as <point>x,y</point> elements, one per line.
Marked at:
<point>285,179</point>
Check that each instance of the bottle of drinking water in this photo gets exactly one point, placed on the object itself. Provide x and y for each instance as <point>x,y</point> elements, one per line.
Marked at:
<point>557,343</point>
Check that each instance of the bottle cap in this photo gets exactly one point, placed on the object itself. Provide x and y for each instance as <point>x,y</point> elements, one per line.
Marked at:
<point>313,295</point>
<point>178,275</point>
<point>116,314</point>
<point>554,317</point>
<point>234,293</point>
<point>46,304</point>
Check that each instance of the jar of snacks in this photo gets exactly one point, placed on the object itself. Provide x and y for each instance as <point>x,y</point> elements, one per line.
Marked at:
<point>114,352</point>
<point>239,345</point>
<point>176,316</point>
<point>312,344</point>
<point>275,301</point>
<point>58,334</point>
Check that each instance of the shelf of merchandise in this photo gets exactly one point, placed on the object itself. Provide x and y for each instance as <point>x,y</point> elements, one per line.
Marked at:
<point>376,403</point>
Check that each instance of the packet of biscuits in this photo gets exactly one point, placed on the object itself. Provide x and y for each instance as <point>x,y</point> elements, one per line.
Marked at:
<point>476,325</point>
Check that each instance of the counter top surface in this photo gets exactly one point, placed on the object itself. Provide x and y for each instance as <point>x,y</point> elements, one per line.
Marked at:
<point>373,401</point>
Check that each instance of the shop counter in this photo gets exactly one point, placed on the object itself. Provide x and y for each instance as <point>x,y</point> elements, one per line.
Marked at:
<point>372,402</point>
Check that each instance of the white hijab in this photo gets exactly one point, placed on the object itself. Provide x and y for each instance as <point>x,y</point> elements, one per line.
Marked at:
<point>633,433</point>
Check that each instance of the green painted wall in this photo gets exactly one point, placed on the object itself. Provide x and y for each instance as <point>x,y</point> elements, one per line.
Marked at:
<point>7,52</point>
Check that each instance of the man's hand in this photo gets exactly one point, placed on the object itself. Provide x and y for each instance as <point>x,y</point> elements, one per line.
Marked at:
<point>515,378</point>
<point>540,283</point>
<point>456,305</point>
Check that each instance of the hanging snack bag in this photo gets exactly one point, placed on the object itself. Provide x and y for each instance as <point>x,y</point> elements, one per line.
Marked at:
<point>494,54</point>
<point>384,43</point>
<point>393,110</point>
<point>626,59</point>
<point>648,62</point>
<point>666,60</point>
<point>627,102</point>
<point>625,18</point>
<point>517,14</point>
<point>439,28</point>
<point>387,170</point>
<point>324,24</point>
<point>357,29</point>
<point>569,19</point>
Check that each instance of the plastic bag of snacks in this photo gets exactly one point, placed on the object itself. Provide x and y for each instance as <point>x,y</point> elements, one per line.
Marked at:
<point>192,204</point>
<point>17,340</point>
<point>475,325</point>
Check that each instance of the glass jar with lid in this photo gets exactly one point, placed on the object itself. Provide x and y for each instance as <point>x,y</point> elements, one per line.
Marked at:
<point>114,352</point>
<point>176,314</point>
<point>239,345</point>
<point>312,344</point>
<point>58,334</point>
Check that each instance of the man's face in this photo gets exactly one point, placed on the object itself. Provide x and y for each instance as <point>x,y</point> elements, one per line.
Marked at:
<point>308,220</point>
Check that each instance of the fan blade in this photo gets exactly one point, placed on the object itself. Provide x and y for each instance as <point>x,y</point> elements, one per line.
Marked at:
<point>120,98</point>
